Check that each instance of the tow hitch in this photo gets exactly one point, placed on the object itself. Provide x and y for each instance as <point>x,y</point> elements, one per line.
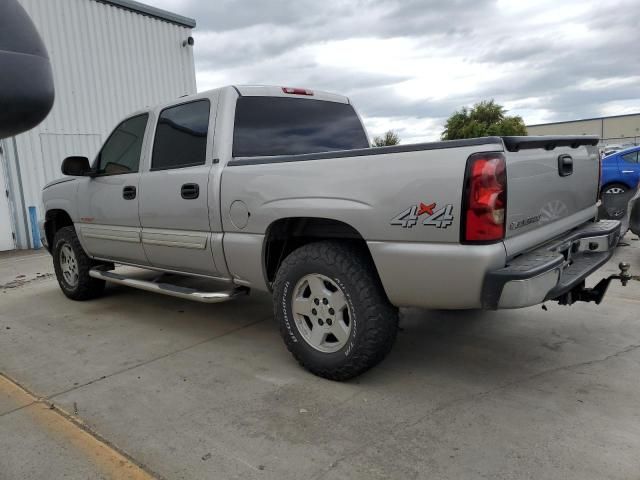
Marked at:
<point>582,294</point>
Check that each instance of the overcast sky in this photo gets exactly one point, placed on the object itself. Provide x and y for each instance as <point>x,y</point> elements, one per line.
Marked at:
<point>408,64</point>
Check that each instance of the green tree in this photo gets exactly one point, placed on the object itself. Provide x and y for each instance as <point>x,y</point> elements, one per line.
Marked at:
<point>389,138</point>
<point>486,118</point>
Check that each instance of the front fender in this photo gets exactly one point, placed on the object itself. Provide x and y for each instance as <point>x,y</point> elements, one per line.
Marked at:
<point>61,195</point>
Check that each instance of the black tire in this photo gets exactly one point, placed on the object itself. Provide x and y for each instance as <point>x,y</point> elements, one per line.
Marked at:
<point>86,287</point>
<point>375,320</point>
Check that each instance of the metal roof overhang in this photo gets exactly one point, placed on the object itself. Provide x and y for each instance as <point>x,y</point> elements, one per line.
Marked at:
<point>152,12</point>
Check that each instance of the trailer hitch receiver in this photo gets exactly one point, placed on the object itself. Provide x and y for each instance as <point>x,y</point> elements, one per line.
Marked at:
<point>582,294</point>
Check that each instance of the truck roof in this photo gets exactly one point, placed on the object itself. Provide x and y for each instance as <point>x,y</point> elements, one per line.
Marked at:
<point>250,91</point>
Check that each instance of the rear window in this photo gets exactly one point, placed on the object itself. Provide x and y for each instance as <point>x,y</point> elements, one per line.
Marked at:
<point>266,126</point>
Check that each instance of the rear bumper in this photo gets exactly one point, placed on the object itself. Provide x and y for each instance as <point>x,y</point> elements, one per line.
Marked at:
<point>552,270</point>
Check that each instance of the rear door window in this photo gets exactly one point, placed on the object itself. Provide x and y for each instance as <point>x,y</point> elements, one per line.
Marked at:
<point>181,136</point>
<point>266,126</point>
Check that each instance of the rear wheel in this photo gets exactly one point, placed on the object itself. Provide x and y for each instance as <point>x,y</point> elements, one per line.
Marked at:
<point>72,266</point>
<point>615,189</point>
<point>333,313</point>
<point>609,192</point>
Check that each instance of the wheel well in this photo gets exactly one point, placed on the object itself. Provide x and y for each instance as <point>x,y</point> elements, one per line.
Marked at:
<point>285,235</point>
<point>54,221</point>
<point>616,182</point>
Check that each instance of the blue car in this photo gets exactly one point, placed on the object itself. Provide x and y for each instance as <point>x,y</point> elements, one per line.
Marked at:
<point>620,171</point>
<point>620,176</point>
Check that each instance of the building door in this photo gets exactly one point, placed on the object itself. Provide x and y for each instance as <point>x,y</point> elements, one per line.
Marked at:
<point>6,227</point>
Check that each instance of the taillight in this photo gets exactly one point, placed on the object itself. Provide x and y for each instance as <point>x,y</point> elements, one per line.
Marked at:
<point>485,198</point>
<point>297,91</point>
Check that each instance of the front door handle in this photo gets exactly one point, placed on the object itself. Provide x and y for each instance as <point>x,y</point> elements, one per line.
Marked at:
<point>190,191</point>
<point>627,171</point>
<point>129,192</point>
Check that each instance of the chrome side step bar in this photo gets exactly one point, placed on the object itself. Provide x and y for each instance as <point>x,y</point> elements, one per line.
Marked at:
<point>169,289</point>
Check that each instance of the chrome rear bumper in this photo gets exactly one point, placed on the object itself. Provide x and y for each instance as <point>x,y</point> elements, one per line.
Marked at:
<point>553,270</point>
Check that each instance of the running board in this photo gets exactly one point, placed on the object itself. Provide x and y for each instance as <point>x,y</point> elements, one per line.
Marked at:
<point>169,289</point>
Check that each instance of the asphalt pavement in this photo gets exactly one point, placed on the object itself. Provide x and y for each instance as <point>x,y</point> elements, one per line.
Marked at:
<point>138,385</point>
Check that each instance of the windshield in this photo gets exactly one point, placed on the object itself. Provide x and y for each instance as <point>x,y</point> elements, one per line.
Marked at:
<point>266,126</point>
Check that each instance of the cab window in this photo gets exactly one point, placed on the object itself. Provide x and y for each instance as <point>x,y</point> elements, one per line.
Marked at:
<point>181,136</point>
<point>121,152</point>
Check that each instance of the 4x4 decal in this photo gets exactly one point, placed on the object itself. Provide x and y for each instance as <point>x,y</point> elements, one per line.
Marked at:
<point>440,218</point>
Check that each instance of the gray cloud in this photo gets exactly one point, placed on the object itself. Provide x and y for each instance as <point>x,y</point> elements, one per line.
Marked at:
<point>559,60</point>
<point>337,17</point>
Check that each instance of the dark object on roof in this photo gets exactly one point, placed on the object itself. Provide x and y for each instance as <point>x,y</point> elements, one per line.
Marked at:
<point>26,81</point>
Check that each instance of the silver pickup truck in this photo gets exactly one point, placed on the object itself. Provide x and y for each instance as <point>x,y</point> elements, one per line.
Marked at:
<point>278,189</point>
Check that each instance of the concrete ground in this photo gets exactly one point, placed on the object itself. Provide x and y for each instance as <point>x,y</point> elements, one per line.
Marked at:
<point>136,385</point>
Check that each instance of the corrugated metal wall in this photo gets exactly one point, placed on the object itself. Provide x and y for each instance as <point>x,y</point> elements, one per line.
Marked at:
<point>615,130</point>
<point>107,63</point>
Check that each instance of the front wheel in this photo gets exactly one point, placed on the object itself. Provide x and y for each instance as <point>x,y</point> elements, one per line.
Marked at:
<point>72,266</point>
<point>332,311</point>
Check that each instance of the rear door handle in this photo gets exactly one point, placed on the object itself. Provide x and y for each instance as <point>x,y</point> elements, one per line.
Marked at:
<point>190,191</point>
<point>627,171</point>
<point>129,192</point>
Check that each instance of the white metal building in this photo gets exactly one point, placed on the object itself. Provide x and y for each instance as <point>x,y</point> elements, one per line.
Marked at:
<point>110,58</point>
<point>612,130</point>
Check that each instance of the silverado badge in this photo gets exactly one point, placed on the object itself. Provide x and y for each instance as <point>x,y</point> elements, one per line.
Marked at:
<point>524,222</point>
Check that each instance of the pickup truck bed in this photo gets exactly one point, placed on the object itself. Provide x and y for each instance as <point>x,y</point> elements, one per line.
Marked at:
<point>367,188</point>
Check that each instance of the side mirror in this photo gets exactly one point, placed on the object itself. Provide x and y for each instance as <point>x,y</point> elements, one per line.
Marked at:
<point>76,166</point>
<point>26,78</point>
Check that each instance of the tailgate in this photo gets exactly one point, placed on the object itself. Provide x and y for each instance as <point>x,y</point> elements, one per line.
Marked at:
<point>552,186</point>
